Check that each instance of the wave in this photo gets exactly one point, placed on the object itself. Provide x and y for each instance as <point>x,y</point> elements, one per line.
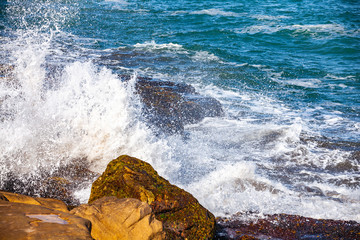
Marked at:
<point>215,12</point>
<point>152,45</point>
<point>264,155</point>
<point>269,18</point>
<point>203,56</point>
<point>312,29</point>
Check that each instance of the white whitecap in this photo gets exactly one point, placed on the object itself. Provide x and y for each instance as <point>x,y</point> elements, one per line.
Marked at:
<point>152,46</point>
<point>307,83</point>
<point>204,56</point>
<point>268,17</point>
<point>215,12</point>
<point>123,2</point>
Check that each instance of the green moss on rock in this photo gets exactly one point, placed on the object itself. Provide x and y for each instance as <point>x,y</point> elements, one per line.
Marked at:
<point>182,215</point>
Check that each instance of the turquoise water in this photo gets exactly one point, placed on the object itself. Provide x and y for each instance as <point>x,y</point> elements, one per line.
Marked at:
<point>286,72</point>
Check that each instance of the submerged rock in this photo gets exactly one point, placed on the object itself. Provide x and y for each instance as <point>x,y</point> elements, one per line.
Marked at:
<point>182,215</point>
<point>59,184</point>
<point>171,105</point>
<point>24,217</point>
<point>289,227</point>
<point>125,219</point>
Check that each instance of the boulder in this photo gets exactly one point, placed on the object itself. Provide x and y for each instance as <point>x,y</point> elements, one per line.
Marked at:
<point>182,215</point>
<point>171,105</point>
<point>32,220</point>
<point>125,219</point>
<point>58,183</point>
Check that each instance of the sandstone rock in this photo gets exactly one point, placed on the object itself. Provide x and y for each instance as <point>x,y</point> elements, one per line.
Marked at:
<point>33,222</point>
<point>45,202</point>
<point>182,215</point>
<point>125,219</point>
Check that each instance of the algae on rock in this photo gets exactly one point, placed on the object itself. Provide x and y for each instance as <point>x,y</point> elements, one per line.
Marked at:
<point>182,215</point>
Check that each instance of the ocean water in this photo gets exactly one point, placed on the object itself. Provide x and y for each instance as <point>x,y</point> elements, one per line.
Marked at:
<point>287,74</point>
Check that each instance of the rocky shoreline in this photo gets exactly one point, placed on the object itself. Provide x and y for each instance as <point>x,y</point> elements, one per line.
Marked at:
<point>130,200</point>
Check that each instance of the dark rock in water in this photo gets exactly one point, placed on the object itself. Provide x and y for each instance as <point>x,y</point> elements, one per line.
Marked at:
<point>59,184</point>
<point>182,215</point>
<point>287,227</point>
<point>171,105</point>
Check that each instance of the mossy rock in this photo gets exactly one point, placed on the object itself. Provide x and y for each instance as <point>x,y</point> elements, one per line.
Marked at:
<point>182,215</point>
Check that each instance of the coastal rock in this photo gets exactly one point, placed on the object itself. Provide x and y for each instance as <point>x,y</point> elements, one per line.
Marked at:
<point>32,220</point>
<point>125,219</point>
<point>56,184</point>
<point>283,226</point>
<point>44,202</point>
<point>171,105</point>
<point>182,215</point>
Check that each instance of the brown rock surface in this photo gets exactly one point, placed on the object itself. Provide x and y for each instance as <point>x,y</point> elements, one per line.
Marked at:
<point>182,215</point>
<point>33,222</point>
<point>125,219</point>
<point>45,202</point>
<point>287,227</point>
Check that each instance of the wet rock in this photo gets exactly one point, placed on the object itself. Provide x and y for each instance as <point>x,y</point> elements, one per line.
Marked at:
<point>58,184</point>
<point>23,217</point>
<point>125,219</point>
<point>283,226</point>
<point>171,105</point>
<point>45,202</point>
<point>182,215</point>
<point>6,73</point>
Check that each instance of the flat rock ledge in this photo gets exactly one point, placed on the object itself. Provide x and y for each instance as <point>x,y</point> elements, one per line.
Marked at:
<point>24,217</point>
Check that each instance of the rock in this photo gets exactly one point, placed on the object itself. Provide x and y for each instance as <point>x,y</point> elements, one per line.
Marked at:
<point>283,226</point>
<point>59,184</point>
<point>125,219</point>
<point>7,74</point>
<point>182,215</point>
<point>171,105</point>
<point>45,202</point>
<point>33,221</point>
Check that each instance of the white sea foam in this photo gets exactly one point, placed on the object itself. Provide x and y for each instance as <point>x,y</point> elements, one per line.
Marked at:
<point>90,113</point>
<point>240,193</point>
<point>270,18</point>
<point>307,83</point>
<point>328,28</point>
<point>331,76</point>
<point>203,56</point>
<point>153,46</point>
<point>121,5</point>
<point>215,12</point>
<point>233,163</point>
<point>260,29</point>
<point>232,182</point>
<point>314,30</point>
<point>123,2</point>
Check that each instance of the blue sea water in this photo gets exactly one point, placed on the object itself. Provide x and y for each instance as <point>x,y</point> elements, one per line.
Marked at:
<point>287,74</point>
